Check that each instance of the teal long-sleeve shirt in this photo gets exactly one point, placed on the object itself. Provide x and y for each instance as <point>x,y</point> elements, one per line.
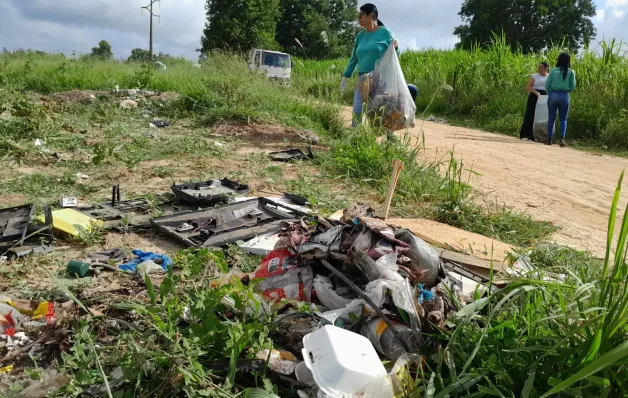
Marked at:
<point>369,48</point>
<point>555,81</point>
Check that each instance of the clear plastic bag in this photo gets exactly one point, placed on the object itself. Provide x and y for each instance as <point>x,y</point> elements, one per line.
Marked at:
<point>541,117</point>
<point>390,104</point>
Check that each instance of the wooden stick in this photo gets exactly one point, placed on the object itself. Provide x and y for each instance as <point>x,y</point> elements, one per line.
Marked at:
<point>392,185</point>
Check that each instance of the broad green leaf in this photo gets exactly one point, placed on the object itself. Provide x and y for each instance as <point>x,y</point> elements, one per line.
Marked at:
<point>430,387</point>
<point>600,381</point>
<point>529,384</point>
<point>464,383</point>
<point>595,346</point>
<point>258,393</point>
<point>489,391</point>
<point>472,308</point>
<point>151,289</point>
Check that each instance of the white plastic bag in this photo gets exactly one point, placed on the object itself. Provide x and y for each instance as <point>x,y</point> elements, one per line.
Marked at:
<point>326,294</point>
<point>390,104</point>
<point>541,117</point>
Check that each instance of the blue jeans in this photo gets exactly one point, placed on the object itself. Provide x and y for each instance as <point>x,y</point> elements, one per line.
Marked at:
<point>357,108</point>
<point>558,101</point>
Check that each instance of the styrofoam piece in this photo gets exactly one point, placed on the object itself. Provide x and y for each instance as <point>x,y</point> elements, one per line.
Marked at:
<point>343,363</point>
<point>260,245</point>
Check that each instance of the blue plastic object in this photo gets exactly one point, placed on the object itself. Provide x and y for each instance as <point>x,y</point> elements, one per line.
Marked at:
<point>424,294</point>
<point>142,256</point>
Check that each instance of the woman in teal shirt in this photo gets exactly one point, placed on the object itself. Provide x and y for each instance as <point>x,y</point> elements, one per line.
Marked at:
<point>370,46</point>
<point>561,81</point>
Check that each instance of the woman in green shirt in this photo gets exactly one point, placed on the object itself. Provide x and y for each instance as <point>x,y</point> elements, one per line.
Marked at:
<point>561,81</point>
<point>370,46</point>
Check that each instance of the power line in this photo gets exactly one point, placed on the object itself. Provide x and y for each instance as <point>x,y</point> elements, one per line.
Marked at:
<point>152,14</point>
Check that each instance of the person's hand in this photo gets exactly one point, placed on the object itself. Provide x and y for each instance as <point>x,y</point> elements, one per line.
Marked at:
<point>537,94</point>
<point>343,84</point>
<point>396,43</point>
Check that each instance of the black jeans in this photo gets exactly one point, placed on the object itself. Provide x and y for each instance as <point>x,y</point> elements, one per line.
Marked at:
<point>528,120</point>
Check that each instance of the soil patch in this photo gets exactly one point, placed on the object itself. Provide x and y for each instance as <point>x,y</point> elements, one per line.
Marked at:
<point>259,134</point>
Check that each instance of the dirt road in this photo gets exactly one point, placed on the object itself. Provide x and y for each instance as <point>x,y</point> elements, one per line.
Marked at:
<point>570,188</point>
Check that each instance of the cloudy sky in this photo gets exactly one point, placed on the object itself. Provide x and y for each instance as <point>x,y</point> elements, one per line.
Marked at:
<point>78,25</point>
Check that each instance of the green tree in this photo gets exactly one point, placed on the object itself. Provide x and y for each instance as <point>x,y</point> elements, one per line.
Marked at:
<point>531,25</point>
<point>240,25</point>
<point>139,55</point>
<point>317,28</point>
<point>103,50</point>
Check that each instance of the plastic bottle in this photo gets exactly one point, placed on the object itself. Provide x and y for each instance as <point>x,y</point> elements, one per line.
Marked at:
<point>384,339</point>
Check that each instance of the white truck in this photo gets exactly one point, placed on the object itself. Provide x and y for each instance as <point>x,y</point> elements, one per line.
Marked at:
<point>276,65</point>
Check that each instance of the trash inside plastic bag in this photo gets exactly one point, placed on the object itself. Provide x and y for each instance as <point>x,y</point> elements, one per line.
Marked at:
<point>390,104</point>
<point>541,117</point>
<point>424,258</point>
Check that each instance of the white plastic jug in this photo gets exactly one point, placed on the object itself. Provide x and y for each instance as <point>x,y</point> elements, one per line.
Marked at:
<point>541,117</point>
<point>343,363</point>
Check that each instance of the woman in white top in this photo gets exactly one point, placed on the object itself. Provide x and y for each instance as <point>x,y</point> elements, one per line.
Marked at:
<point>536,87</point>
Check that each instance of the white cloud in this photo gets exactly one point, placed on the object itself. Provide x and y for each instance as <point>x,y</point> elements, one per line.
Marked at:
<point>616,3</point>
<point>69,25</point>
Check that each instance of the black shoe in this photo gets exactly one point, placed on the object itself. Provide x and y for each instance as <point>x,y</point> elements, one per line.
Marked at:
<point>548,142</point>
<point>563,143</point>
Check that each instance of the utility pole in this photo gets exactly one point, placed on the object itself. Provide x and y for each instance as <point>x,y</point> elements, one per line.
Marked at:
<point>152,14</point>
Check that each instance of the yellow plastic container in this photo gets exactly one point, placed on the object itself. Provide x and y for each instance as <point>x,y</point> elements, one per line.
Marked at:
<point>66,220</point>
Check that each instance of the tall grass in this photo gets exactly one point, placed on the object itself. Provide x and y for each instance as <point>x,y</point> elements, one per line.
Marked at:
<point>224,89</point>
<point>488,86</point>
<point>544,335</point>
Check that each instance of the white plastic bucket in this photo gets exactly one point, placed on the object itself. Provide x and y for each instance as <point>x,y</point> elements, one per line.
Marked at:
<point>342,362</point>
<point>541,117</point>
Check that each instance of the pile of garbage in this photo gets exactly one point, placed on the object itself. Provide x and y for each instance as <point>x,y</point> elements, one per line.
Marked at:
<point>375,290</point>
